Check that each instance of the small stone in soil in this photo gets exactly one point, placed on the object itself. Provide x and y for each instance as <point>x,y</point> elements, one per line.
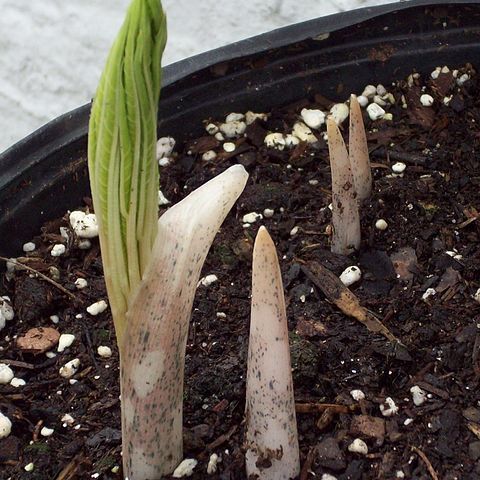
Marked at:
<point>358,446</point>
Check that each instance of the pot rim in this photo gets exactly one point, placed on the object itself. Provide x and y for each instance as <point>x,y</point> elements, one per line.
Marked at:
<point>74,124</point>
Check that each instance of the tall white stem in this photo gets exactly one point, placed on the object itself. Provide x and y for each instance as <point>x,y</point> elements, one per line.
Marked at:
<point>153,354</point>
<point>345,215</point>
<point>358,152</point>
<point>272,438</point>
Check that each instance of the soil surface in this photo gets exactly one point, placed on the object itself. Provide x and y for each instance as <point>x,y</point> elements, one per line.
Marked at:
<point>432,242</point>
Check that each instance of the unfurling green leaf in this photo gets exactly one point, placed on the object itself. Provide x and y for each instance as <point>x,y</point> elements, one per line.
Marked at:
<point>121,153</point>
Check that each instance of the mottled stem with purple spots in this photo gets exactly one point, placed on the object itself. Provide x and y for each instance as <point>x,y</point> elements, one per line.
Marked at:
<point>153,353</point>
<point>271,438</point>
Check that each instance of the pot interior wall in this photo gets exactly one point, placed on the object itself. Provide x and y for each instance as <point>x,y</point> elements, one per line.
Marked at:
<point>45,174</point>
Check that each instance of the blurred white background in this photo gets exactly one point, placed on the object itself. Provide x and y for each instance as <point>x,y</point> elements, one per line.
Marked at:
<point>52,51</point>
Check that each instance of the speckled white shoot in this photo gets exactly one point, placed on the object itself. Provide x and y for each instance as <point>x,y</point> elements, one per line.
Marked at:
<point>358,151</point>
<point>271,432</point>
<point>345,216</point>
<point>153,355</point>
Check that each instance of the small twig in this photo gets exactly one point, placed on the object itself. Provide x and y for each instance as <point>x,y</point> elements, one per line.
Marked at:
<point>401,156</point>
<point>308,464</point>
<point>41,275</point>
<point>19,364</point>
<point>321,407</point>
<point>426,461</point>
<point>221,439</point>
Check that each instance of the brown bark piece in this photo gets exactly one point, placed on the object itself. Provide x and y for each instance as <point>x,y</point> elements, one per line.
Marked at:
<point>38,340</point>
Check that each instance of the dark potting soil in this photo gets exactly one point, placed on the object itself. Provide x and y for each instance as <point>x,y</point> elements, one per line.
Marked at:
<point>431,209</point>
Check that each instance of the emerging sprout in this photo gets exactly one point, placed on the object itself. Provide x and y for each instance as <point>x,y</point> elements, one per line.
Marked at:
<point>151,269</point>
<point>345,215</point>
<point>157,329</point>
<point>358,152</point>
<point>272,439</point>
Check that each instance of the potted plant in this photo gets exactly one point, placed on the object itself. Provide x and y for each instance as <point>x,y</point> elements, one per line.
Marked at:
<point>323,381</point>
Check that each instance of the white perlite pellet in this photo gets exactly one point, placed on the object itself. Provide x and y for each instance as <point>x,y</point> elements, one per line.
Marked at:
<point>185,469</point>
<point>81,283</point>
<point>65,341</point>
<point>350,275</point>
<point>327,476</point>
<point>419,396</point>
<point>29,247</point>
<point>275,140</point>
<point>55,319</point>
<point>369,91</point>
<point>251,217</point>
<point>476,296</point>
<point>362,100</point>
<point>301,131</point>
<point>97,307</point>
<point>381,90</point>
<point>398,167</point>
<point>429,292</point>
<point>212,464</point>
<point>229,147</point>
<point>84,224</point>
<point>388,408</point>
<point>313,118</point>
<point>165,146</point>
<point>358,446</point>
<point>463,78</point>
<point>294,231</point>
<point>268,213</point>
<point>291,140</point>
<point>234,117</point>
<point>209,156</point>
<point>208,280</point>
<point>68,419</point>
<point>58,250</point>
<point>104,351</point>
<point>339,112</point>
<point>233,129</point>
<point>162,200</point>
<point>426,100</point>
<point>46,432</point>
<point>357,395</point>
<point>29,467</point>
<point>211,128</point>
<point>70,368</point>
<point>17,382</point>
<point>250,117</point>
<point>375,112</point>
<point>6,374</point>
<point>5,426</point>
<point>381,224</point>
<point>6,311</point>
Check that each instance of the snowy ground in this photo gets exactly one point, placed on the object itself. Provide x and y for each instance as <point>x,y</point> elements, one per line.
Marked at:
<point>52,51</point>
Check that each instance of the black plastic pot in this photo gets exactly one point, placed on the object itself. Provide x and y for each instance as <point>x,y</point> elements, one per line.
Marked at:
<point>46,173</point>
